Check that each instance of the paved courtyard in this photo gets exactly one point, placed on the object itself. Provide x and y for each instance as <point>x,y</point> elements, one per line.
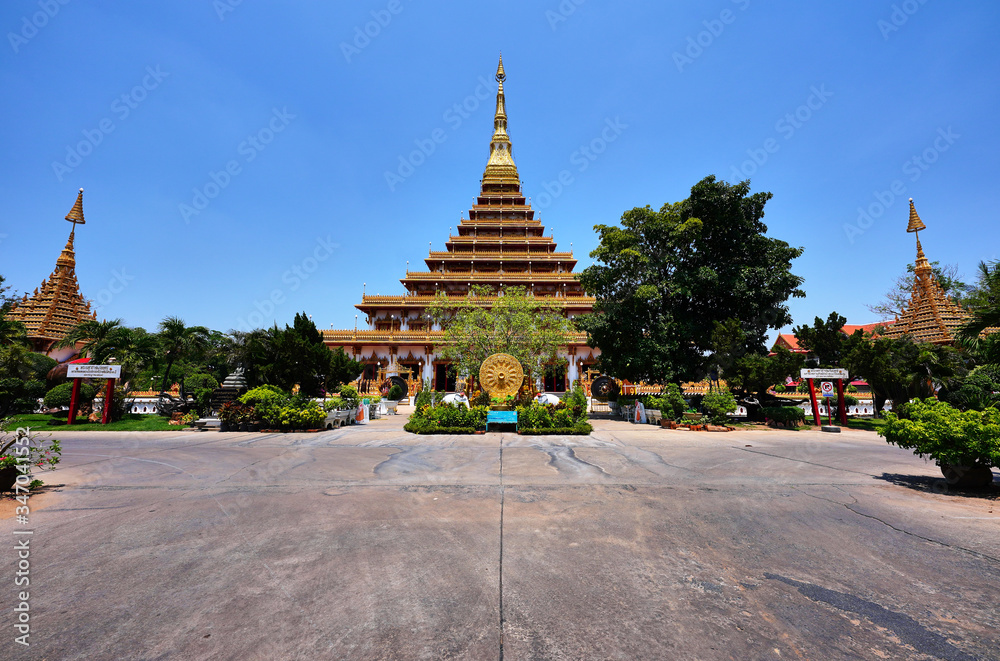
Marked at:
<point>633,543</point>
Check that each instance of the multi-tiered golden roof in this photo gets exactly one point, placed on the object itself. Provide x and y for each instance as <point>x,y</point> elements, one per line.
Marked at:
<point>56,305</point>
<point>500,244</point>
<point>931,316</point>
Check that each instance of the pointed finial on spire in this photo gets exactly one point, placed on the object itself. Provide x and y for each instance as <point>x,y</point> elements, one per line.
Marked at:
<point>75,214</point>
<point>915,223</point>
<point>501,76</point>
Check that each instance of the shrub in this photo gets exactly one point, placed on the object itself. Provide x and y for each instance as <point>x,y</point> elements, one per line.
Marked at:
<point>27,451</point>
<point>938,430</point>
<point>395,393</point>
<point>718,405</point>
<point>262,394</point>
<point>60,395</point>
<point>335,404</point>
<point>673,405</point>
<point>977,391</point>
<point>784,414</point>
<point>350,396</point>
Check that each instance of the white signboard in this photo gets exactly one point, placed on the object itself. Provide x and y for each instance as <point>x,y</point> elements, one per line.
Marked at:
<point>827,388</point>
<point>824,374</point>
<point>87,371</point>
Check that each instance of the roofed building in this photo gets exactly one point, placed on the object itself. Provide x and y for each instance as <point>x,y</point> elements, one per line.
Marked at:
<point>931,316</point>
<point>56,305</point>
<point>500,244</point>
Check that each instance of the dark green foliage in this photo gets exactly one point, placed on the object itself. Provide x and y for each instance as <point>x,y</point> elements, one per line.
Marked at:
<point>61,394</point>
<point>664,278</point>
<point>784,414</point>
<point>395,393</point>
<point>200,386</point>
<point>579,429</point>
<point>977,391</point>
<point>824,339</point>
<point>718,405</point>
<point>342,369</point>
<point>901,369</point>
<point>446,419</point>
<point>751,375</point>
<point>937,430</point>
<point>19,396</point>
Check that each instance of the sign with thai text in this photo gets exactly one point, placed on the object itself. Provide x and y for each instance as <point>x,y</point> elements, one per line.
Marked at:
<point>88,371</point>
<point>824,374</point>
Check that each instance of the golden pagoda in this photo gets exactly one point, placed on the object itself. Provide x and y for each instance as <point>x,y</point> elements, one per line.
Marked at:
<point>56,305</point>
<point>500,244</point>
<point>931,316</point>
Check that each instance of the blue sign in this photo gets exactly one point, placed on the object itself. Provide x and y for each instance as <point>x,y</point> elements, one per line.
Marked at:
<point>501,418</point>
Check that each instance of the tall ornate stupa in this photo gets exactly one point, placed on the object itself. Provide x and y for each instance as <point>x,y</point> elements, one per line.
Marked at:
<point>931,316</point>
<point>56,305</point>
<point>500,244</point>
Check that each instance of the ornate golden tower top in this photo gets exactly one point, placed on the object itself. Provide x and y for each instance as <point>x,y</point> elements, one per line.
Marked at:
<point>931,316</point>
<point>57,304</point>
<point>501,172</point>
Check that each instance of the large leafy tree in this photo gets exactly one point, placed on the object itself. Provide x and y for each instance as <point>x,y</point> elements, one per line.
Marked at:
<point>824,338</point>
<point>343,369</point>
<point>179,341</point>
<point>530,329</point>
<point>663,278</point>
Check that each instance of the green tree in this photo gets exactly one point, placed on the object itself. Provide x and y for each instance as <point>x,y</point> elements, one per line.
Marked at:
<point>343,369</point>
<point>530,329</point>
<point>750,376</point>
<point>663,278</point>
<point>92,334</point>
<point>985,305</point>
<point>901,369</point>
<point>179,341</point>
<point>295,355</point>
<point>824,338</point>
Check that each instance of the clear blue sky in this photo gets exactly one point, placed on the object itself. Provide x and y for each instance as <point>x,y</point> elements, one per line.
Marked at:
<point>172,92</point>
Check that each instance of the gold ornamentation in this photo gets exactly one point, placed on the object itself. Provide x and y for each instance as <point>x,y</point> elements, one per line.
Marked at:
<point>501,375</point>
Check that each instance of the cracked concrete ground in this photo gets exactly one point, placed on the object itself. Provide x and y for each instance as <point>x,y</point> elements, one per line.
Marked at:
<point>633,543</point>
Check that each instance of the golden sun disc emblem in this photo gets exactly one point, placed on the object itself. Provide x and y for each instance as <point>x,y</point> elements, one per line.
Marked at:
<point>501,375</point>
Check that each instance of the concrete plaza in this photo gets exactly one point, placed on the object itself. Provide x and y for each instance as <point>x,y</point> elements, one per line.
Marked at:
<point>632,543</point>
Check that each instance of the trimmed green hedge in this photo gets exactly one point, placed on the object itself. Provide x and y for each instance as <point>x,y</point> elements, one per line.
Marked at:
<point>425,427</point>
<point>784,414</point>
<point>580,429</point>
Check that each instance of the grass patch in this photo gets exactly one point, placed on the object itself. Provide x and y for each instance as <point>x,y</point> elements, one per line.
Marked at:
<point>873,424</point>
<point>131,422</point>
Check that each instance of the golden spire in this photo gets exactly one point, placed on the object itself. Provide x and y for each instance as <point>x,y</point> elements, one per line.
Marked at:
<point>915,223</point>
<point>501,172</point>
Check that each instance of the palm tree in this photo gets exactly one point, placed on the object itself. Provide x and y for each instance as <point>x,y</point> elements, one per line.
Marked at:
<point>985,314</point>
<point>179,341</point>
<point>94,334</point>
<point>132,348</point>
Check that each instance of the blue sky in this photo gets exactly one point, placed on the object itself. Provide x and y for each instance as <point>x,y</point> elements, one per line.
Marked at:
<point>287,117</point>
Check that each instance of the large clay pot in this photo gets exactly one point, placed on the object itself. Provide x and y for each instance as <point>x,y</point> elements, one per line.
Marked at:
<point>967,477</point>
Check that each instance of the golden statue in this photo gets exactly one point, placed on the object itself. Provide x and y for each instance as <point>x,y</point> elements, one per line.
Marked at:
<point>501,375</point>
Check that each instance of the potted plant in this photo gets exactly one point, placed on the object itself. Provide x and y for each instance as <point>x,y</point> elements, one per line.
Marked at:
<point>965,444</point>
<point>21,452</point>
